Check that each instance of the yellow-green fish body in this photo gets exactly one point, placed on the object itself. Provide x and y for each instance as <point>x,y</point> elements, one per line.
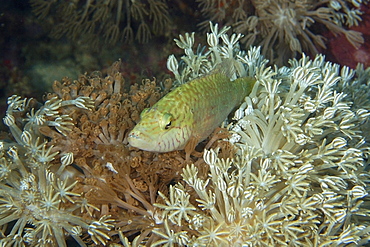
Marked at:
<point>189,113</point>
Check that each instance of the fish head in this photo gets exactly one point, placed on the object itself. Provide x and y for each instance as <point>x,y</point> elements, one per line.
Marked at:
<point>159,131</point>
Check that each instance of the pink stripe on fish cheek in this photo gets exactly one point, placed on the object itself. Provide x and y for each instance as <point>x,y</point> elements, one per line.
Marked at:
<point>173,143</point>
<point>160,146</point>
<point>182,132</point>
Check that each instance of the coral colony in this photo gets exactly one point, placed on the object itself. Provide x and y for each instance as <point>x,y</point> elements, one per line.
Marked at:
<point>292,170</point>
<point>114,20</point>
<point>284,28</point>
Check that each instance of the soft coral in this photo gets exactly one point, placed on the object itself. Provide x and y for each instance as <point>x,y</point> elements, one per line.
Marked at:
<point>341,51</point>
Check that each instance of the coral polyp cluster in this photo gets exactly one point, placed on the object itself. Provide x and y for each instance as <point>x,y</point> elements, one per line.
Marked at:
<point>118,20</point>
<point>299,176</point>
<point>291,170</point>
<point>284,29</point>
<point>59,153</point>
<point>38,205</point>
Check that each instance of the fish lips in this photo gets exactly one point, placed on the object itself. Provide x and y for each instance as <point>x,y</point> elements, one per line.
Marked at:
<point>138,140</point>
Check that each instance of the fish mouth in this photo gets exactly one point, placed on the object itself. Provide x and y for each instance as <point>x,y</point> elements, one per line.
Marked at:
<point>139,140</point>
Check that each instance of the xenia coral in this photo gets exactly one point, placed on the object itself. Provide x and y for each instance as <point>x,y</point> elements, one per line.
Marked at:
<point>38,205</point>
<point>300,173</point>
<point>292,170</point>
<point>285,28</point>
<point>67,171</point>
<point>114,20</point>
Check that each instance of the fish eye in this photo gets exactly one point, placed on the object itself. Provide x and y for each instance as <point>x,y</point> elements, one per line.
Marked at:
<point>168,126</point>
<point>166,120</point>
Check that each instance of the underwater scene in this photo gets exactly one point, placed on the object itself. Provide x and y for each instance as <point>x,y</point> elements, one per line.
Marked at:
<point>130,123</point>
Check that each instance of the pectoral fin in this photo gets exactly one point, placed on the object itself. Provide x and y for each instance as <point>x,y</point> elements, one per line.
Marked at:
<point>190,146</point>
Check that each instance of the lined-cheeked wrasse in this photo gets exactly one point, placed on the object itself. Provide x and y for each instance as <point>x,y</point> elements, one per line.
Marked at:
<point>188,114</point>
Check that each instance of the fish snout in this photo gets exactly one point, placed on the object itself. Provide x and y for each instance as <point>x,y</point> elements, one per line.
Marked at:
<point>137,139</point>
<point>133,135</point>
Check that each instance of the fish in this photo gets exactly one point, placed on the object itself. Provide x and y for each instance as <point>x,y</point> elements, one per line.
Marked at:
<point>190,113</point>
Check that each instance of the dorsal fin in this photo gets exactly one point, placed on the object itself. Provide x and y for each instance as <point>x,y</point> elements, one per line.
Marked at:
<point>231,68</point>
<point>226,67</point>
